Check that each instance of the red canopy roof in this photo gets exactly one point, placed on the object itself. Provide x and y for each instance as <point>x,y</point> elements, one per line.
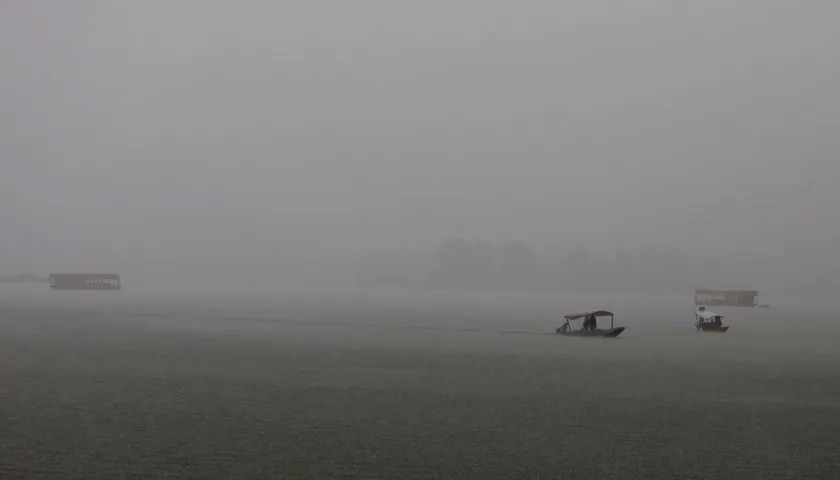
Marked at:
<point>597,313</point>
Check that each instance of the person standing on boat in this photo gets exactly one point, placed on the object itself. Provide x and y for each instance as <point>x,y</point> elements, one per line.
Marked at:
<point>593,322</point>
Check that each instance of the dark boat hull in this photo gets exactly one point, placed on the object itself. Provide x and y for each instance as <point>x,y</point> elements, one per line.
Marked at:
<point>597,333</point>
<point>720,329</point>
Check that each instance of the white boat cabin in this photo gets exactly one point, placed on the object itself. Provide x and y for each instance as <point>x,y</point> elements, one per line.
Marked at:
<point>705,316</point>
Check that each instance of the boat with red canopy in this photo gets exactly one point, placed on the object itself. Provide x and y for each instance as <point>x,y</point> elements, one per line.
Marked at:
<point>589,328</point>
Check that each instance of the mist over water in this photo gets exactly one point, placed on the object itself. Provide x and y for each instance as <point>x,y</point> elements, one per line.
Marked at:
<point>285,143</point>
<point>346,232</point>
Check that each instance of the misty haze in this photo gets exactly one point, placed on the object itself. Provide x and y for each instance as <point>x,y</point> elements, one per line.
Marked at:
<point>342,238</point>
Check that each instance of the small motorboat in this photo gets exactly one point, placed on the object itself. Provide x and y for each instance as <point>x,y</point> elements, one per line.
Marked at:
<point>707,321</point>
<point>590,325</point>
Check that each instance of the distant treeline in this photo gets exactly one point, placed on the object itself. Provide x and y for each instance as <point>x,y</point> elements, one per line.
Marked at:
<point>463,264</point>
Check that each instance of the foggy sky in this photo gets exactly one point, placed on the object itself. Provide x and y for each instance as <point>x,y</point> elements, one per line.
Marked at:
<point>159,136</point>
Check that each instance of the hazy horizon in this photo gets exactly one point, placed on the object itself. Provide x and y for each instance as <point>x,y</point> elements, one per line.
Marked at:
<point>289,140</point>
